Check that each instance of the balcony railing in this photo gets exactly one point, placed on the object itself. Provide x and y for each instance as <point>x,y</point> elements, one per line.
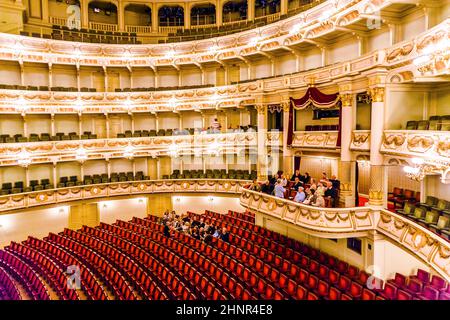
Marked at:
<point>177,145</point>
<point>315,139</point>
<point>433,145</point>
<point>103,26</point>
<point>170,29</point>
<point>351,222</point>
<point>360,140</point>
<point>58,21</point>
<point>112,189</point>
<point>138,29</point>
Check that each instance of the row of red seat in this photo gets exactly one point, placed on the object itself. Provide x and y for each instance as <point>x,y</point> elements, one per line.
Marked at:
<point>421,286</point>
<point>47,268</point>
<point>8,290</point>
<point>25,275</point>
<point>89,284</point>
<point>279,285</point>
<point>109,274</point>
<point>246,216</point>
<point>424,290</point>
<point>182,261</point>
<point>159,272</point>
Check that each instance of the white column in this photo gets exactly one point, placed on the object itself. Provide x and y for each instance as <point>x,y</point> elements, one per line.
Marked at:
<point>55,178</point>
<point>287,153</point>
<point>219,11</point>
<point>155,22</point>
<point>27,177</point>
<point>52,125</point>
<point>25,126</point>
<point>108,168</point>
<point>377,190</point>
<point>107,126</point>
<point>345,173</point>
<point>156,122</point>
<point>284,7</point>
<point>80,123</point>
<point>180,121</point>
<point>262,151</point>
<point>187,15</point>
<point>250,10</point>
<point>84,14</point>
<point>158,168</point>
<point>132,122</point>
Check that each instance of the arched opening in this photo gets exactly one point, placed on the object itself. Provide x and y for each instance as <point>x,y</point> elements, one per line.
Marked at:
<point>203,14</point>
<point>138,18</point>
<point>100,12</point>
<point>137,15</point>
<point>60,12</point>
<point>234,11</point>
<point>266,7</point>
<point>171,16</point>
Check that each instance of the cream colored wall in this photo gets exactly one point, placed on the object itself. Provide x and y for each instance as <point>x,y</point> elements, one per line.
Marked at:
<point>378,39</point>
<point>403,105</point>
<point>123,209</point>
<point>42,171</point>
<point>198,204</point>
<point>363,178</point>
<point>144,121</point>
<point>57,9</point>
<point>414,25</point>
<point>343,51</point>
<point>169,120</point>
<point>38,223</point>
<point>11,124</point>
<point>168,78</point>
<point>191,77</point>
<point>434,187</point>
<point>363,111</point>
<point>92,167</point>
<point>35,74</point>
<point>121,165</point>
<point>315,166</point>
<point>37,123</point>
<point>64,76</point>
<point>143,78</point>
<point>191,119</point>
<point>389,259</point>
<point>10,73</point>
<point>67,169</point>
<point>12,174</point>
<point>397,178</point>
<point>284,64</point>
<point>66,123</point>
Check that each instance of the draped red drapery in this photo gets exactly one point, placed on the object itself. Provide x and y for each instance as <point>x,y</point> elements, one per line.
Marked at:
<point>318,100</point>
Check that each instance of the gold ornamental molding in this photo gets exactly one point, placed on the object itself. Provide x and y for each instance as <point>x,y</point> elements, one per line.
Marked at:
<point>347,99</point>
<point>10,203</point>
<point>430,145</point>
<point>346,222</point>
<point>60,151</point>
<point>315,139</point>
<point>377,94</point>
<point>360,140</point>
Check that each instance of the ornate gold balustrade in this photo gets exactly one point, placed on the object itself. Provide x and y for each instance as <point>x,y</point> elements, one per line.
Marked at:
<point>315,139</point>
<point>432,146</point>
<point>274,139</point>
<point>351,222</point>
<point>24,49</point>
<point>55,151</point>
<point>277,36</point>
<point>114,189</point>
<point>360,140</point>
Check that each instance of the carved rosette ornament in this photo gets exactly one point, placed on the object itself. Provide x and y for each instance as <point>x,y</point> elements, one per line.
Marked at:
<point>377,94</point>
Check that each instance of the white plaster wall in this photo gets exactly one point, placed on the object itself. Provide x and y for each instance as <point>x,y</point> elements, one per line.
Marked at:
<point>198,204</point>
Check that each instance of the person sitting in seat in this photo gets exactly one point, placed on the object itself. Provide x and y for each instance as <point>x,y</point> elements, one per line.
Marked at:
<point>331,194</point>
<point>296,175</point>
<point>319,202</point>
<point>300,196</point>
<point>225,236</point>
<point>311,197</point>
<point>336,183</point>
<point>167,229</point>
<point>306,179</point>
<point>267,188</point>
<point>217,233</point>
<point>215,126</point>
<point>279,190</point>
<point>297,183</point>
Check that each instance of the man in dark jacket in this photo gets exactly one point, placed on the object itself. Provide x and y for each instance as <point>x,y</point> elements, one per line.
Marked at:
<point>225,236</point>
<point>166,229</point>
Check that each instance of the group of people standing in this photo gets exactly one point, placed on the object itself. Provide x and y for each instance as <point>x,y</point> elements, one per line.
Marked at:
<point>308,191</point>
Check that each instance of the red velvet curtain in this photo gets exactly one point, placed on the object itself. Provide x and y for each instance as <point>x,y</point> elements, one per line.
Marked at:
<point>316,98</point>
<point>319,100</point>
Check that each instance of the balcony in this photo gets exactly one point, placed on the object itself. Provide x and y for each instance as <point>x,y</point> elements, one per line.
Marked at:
<point>360,140</point>
<point>112,189</point>
<point>430,145</point>
<point>351,222</point>
<point>315,139</point>
<point>69,150</point>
